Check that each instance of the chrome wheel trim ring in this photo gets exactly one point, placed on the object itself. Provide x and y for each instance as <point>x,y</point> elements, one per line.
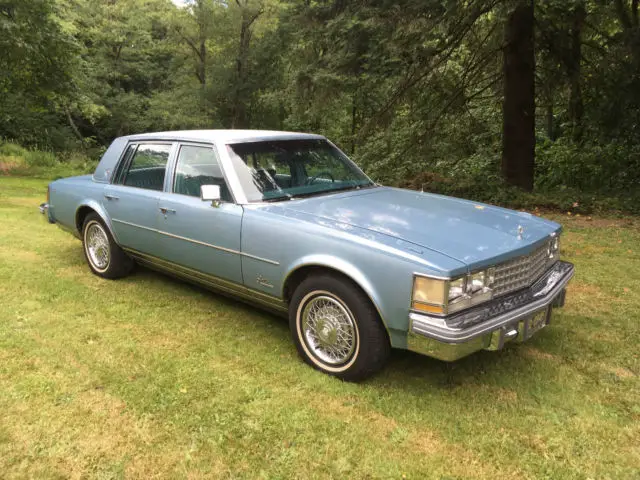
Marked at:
<point>96,245</point>
<point>327,331</point>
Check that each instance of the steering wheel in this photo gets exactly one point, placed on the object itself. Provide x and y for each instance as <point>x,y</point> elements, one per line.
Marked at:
<point>310,180</point>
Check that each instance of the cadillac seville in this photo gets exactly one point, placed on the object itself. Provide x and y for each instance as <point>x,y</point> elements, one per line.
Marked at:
<point>287,222</point>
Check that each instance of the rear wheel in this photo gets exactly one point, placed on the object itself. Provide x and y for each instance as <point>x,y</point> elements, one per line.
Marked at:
<point>336,329</point>
<point>103,254</point>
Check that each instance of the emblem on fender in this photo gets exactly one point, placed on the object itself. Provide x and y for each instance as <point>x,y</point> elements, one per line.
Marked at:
<point>520,232</point>
<point>263,281</point>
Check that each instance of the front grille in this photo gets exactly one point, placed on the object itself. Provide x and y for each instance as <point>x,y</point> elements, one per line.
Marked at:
<point>520,272</point>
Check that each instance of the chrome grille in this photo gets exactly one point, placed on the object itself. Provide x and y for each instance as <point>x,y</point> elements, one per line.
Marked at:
<point>520,272</point>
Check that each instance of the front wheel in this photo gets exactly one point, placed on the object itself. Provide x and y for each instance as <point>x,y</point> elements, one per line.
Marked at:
<point>103,254</point>
<point>336,329</point>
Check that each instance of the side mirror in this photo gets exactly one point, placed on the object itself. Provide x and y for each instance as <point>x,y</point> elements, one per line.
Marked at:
<point>210,193</point>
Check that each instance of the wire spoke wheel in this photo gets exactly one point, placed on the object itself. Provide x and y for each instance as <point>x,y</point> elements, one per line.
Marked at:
<point>97,245</point>
<point>329,330</point>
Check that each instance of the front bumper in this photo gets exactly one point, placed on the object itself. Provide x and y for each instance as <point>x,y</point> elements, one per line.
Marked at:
<point>44,210</point>
<point>490,326</point>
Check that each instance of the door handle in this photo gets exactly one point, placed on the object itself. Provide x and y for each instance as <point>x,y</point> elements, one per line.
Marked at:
<point>165,210</point>
<point>108,196</point>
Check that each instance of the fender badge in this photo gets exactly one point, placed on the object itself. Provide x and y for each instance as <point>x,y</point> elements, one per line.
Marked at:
<point>263,281</point>
<point>520,232</point>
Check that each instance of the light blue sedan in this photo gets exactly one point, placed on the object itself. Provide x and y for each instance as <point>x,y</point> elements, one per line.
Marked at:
<point>287,222</point>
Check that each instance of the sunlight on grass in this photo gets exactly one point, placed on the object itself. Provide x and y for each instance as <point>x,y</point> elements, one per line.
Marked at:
<point>147,376</point>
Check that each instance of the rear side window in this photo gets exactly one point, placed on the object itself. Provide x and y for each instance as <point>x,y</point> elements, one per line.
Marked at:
<point>147,167</point>
<point>198,166</point>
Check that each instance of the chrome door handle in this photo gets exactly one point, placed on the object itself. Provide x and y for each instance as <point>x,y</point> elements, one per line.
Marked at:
<point>165,210</point>
<point>108,196</point>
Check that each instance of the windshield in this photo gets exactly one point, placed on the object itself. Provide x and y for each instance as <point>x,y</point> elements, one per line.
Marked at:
<point>284,169</point>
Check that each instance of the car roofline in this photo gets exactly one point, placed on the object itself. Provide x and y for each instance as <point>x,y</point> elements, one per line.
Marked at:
<point>223,136</point>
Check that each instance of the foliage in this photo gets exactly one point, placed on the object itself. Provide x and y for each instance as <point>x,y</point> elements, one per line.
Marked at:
<point>409,89</point>
<point>17,160</point>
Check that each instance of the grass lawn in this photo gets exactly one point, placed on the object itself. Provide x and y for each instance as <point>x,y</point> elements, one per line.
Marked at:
<point>149,377</point>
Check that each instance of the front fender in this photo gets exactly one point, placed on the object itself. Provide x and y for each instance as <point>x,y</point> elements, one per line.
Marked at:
<point>334,263</point>
<point>338,264</point>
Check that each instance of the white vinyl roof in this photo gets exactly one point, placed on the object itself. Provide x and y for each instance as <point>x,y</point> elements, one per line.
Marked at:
<point>224,136</point>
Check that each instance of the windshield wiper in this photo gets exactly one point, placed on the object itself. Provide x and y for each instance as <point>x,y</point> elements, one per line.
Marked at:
<point>339,189</point>
<point>279,198</point>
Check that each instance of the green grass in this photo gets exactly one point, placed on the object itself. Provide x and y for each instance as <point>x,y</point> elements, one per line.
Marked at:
<point>148,377</point>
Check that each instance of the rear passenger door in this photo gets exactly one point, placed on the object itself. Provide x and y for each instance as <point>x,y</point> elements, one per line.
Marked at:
<point>132,199</point>
<point>197,235</point>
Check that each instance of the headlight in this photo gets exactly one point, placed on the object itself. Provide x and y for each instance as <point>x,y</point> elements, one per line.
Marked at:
<point>442,296</point>
<point>457,288</point>
<point>476,281</point>
<point>429,291</point>
<point>553,248</point>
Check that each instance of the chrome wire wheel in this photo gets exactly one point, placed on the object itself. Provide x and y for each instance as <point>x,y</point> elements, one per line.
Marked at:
<point>328,329</point>
<point>97,246</point>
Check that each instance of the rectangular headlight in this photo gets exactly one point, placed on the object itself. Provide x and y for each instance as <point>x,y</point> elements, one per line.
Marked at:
<point>442,296</point>
<point>429,294</point>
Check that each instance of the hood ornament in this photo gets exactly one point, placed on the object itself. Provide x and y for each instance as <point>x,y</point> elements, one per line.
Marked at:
<point>520,232</point>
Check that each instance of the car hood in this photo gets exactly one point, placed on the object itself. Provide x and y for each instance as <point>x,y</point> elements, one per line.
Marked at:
<point>470,232</point>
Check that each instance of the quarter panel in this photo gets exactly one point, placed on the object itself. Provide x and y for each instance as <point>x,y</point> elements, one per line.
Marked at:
<point>68,195</point>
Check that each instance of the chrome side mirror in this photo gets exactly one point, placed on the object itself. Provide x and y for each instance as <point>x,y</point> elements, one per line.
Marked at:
<point>210,193</point>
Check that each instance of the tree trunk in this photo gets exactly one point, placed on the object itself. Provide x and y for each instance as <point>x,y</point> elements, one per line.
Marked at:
<point>518,130</point>
<point>72,124</point>
<point>202,64</point>
<point>576,106</point>
<point>239,117</point>
<point>550,132</point>
<point>353,124</point>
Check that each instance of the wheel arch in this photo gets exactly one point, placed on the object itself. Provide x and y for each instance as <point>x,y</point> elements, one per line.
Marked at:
<point>84,209</point>
<point>322,264</point>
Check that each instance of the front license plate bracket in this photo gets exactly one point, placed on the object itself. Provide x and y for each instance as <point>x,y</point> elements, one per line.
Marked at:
<point>536,322</point>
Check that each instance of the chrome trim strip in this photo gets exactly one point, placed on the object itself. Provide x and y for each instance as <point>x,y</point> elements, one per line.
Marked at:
<point>134,225</point>
<point>433,327</point>
<point>436,277</point>
<point>218,284</point>
<point>198,242</point>
<point>255,257</point>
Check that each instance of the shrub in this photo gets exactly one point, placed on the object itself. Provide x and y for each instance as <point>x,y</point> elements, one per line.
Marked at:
<point>17,160</point>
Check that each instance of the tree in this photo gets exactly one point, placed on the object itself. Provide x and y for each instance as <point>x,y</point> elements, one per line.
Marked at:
<point>36,68</point>
<point>249,13</point>
<point>518,138</point>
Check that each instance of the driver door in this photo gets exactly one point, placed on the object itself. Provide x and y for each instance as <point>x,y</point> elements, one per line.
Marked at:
<point>196,234</point>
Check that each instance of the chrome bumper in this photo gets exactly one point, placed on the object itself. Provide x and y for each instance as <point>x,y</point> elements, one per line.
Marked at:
<point>489,326</point>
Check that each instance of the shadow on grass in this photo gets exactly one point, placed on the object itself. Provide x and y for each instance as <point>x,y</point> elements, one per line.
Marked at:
<point>406,371</point>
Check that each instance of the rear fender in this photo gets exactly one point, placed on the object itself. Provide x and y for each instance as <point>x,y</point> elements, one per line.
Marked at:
<point>102,213</point>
